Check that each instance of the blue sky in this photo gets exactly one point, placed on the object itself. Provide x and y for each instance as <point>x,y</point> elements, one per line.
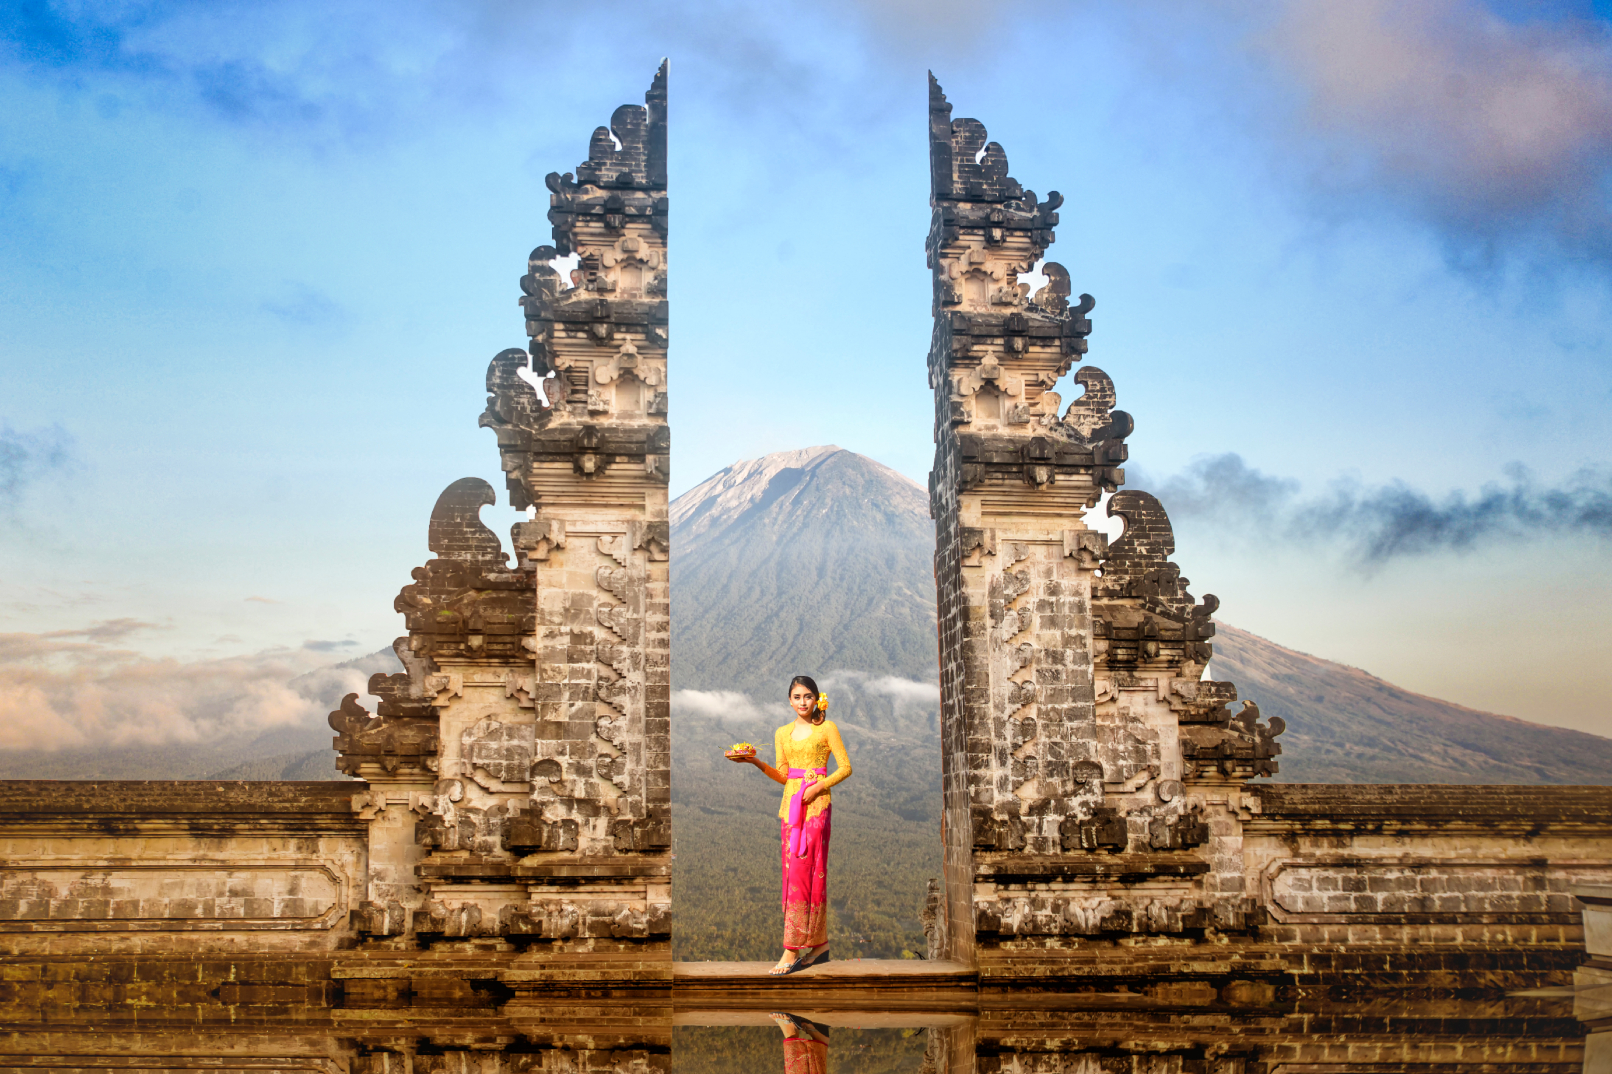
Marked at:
<point>1351,262</point>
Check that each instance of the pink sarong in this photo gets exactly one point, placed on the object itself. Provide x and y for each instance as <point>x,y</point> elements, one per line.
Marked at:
<point>803,1056</point>
<point>797,838</point>
<point>804,846</point>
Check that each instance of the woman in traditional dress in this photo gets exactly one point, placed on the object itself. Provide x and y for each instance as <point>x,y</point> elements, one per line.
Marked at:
<point>801,749</point>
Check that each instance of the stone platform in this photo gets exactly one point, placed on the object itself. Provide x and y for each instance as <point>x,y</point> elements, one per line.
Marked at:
<point>884,984</point>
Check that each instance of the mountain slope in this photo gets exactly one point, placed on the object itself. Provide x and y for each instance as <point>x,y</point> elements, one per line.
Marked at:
<point>807,534</point>
<point>798,563</point>
<point>1347,726</point>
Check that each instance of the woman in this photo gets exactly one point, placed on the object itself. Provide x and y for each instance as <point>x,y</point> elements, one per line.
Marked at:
<point>801,750</point>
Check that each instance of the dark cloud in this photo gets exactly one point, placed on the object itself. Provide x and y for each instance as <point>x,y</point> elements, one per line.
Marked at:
<point>1377,525</point>
<point>40,32</point>
<point>108,630</point>
<point>1491,123</point>
<point>818,73</point>
<point>1496,132</point>
<point>327,646</point>
<point>29,457</point>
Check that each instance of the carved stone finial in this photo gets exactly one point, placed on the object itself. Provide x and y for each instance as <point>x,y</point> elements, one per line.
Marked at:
<point>456,529</point>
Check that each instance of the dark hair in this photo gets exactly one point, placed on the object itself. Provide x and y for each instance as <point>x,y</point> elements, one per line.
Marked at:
<point>803,680</point>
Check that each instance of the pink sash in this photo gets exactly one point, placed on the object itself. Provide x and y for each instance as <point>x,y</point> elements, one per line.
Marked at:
<point>800,843</point>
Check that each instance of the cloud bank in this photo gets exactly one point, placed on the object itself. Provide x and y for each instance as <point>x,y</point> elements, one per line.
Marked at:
<point>1388,522</point>
<point>1497,133</point>
<point>77,688</point>
<point>714,705</point>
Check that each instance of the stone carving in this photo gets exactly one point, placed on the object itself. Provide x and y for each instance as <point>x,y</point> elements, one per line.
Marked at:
<point>1080,734</point>
<point>532,724</point>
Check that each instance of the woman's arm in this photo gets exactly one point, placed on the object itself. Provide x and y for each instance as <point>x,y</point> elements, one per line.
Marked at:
<point>842,770</point>
<point>777,775</point>
<point>774,774</point>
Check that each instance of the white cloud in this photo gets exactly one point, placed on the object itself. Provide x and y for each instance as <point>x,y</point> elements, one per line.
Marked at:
<point>71,688</point>
<point>905,696</point>
<point>714,705</point>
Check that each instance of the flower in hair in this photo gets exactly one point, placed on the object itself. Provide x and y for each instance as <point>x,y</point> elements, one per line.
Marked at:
<point>822,702</point>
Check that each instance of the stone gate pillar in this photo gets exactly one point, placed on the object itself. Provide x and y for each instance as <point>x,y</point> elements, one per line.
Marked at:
<point>1090,779</point>
<point>520,767</point>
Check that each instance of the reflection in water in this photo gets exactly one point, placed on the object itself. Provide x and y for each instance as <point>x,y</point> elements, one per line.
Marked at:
<point>62,1016</point>
<point>805,1044</point>
<point>755,1048</point>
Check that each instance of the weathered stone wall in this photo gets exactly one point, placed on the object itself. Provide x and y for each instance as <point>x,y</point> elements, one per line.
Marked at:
<point>511,825</point>
<point>131,868</point>
<point>1457,867</point>
<point>516,775</point>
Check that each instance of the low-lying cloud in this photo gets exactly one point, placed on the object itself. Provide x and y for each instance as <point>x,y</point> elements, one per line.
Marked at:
<point>1379,524</point>
<point>856,699</point>
<point>905,696</point>
<point>714,705</point>
<point>77,688</point>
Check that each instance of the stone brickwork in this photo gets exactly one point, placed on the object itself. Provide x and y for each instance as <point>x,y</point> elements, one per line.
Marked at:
<point>107,869</point>
<point>519,769</point>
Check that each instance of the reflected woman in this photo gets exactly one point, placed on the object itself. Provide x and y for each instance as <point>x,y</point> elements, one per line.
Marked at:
<point>801,749</point>
<point>805,1044</point>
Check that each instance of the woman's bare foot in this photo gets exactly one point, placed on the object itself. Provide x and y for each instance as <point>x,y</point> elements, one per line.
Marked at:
<point>785,963</point>
<point>787,1024</point>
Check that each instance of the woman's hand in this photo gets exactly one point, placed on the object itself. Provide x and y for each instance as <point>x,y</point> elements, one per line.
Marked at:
<point>812,791</point>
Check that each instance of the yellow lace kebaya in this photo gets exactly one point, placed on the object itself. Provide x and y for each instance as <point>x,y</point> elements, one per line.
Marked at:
<point>806,754</point>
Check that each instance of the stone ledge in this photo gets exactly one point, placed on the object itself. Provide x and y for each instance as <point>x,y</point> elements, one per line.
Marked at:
<point>651,866</point>
<point>50,799</point>
<point>1344,804</point>
<point>1131,868</point>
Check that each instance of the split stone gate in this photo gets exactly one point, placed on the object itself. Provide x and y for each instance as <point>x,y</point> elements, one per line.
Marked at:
<point>1100,819</point>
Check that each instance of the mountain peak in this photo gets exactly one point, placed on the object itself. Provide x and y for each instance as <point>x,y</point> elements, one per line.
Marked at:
<point>817,559</point>
<point>790,488</point>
